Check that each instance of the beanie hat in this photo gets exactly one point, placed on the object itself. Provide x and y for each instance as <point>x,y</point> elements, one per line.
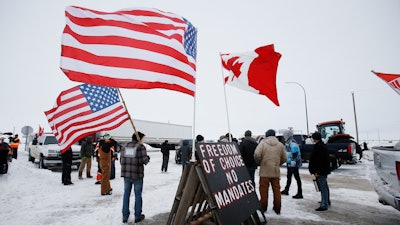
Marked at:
<point>141,135</point>
<point>270,132</point>
<point>106,136</point>
<point>247,133</point>
<point>316,136</point>
<point>287,134</point>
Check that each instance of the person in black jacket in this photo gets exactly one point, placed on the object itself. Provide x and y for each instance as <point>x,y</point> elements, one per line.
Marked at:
<point>66,157</point>
<point>319,167</point>
<point>247,148</point>
<point>165,147</point>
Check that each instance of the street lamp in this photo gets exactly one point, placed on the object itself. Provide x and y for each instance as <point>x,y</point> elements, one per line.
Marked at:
<point>305,102</point>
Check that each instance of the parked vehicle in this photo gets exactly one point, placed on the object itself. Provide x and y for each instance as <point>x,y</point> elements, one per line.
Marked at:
<point>387,180</point>
<point>341,146</point>
<point>47,151</point>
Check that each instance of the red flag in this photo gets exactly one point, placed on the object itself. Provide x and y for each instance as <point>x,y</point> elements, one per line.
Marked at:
<point>137,48</point>
<point>254,71</point>
<point>41,131</point>
<point>393,80</point>
<point>83,110</point>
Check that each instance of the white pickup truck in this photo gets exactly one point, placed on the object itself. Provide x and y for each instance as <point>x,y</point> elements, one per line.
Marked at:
<point>387,181</point>
<point>47,151</point>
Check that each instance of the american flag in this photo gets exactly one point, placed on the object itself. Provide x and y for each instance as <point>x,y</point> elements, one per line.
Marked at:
<point>83,110</point>
<point>134,48</point>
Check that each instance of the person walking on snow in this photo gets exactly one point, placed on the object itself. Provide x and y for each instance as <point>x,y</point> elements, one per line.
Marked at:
<point>270,155</point>
<point>293,163</point>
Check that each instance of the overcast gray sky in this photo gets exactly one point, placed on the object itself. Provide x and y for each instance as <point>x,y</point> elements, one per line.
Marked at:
<point>329,47</point>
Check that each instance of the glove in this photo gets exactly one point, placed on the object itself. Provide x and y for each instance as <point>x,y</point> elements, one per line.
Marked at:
<point>148,158</point>
<point>316,174</point>
<point>83,158</point>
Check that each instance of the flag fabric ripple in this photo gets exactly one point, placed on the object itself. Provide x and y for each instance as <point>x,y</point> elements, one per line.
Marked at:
<point>140,48</point>
<point>253,71</point>
<point>84,110</point>
<point>393,80</point>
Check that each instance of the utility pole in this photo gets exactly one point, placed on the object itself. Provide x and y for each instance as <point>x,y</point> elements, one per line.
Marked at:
<point>355,115</point>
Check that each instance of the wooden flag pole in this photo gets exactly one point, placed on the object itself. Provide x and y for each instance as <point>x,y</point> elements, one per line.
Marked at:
<point>226,102</point>
<point>129,115</point>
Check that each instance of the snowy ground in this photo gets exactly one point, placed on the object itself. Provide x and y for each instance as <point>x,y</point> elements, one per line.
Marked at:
<point>36,196</point>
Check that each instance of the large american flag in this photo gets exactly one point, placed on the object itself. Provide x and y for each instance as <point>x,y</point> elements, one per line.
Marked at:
<point>133,48</point>
<point>84,110</point>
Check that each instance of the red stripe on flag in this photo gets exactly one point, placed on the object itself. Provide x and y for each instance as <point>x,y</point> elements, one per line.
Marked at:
<point>73,118</point>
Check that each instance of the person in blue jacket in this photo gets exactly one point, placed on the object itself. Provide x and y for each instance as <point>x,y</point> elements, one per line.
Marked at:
<point>293,163</point>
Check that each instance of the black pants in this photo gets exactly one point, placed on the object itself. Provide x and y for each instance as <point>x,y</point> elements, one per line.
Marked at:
<point>293,171</point>
<point>66,170</point>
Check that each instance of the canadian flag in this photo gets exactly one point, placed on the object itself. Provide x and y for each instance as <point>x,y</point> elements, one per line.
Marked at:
<point>253,71</point>
<point>41,130</point>
<point>393,80</point>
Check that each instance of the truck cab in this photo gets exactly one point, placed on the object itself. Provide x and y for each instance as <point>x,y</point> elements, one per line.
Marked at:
<point>47,151</point>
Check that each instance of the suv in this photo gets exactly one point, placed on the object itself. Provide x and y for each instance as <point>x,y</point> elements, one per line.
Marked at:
<point>179,152</point>
<point>48,152</point>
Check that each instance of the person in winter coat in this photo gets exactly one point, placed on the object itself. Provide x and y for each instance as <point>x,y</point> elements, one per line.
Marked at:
<point>86,156</point>
<point>14,143</point>
<point>319,166</point>
<point>247,148</point>
<point>133,158</point>
<point>293,163</point>
<point>105,152</point>
<point>186,153</point>
<point>165,147</point>
<point>270,154</point>
<point>66,157</point>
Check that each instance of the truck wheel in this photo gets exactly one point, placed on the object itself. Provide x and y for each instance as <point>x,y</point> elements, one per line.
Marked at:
<point>41,163</point>
<point>333,163</point>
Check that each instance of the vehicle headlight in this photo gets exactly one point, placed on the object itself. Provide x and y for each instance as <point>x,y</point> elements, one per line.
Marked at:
<point>53,153</point>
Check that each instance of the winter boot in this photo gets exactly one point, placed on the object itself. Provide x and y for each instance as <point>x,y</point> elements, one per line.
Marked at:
<point>285,192</point>
<point>298,196</point>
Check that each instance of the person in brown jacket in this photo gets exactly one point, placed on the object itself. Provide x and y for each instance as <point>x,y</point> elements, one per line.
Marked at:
<point>105,151</point>
<point>270,154</point>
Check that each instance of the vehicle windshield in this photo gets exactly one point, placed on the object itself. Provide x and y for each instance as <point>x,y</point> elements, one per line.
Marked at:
<point>50,140</point>
<point>329,130</point>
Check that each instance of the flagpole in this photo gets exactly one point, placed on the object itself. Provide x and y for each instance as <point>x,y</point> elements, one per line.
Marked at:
<point>193,158</point>
<point>129,115</point>
<point>226,102</point>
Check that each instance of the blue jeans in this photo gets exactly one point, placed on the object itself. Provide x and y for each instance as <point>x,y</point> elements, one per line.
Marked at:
<point>164,166</point>
<point>293,171</point>
<point>138,187</point>
<point>252,171</point>
<point>323,187</point>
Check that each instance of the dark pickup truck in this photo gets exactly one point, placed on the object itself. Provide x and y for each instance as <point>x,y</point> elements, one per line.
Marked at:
<point>339,153</point>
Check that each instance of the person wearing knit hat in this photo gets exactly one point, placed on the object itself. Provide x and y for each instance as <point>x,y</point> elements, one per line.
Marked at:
<point>293,163</point>
<point>270,154</point>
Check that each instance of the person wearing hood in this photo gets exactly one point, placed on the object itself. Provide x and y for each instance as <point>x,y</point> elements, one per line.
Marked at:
<point>186,151</point>
<point>270,154</point>
<point>133,158</point>
<point>293,163</point>
<point>247,148</point>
